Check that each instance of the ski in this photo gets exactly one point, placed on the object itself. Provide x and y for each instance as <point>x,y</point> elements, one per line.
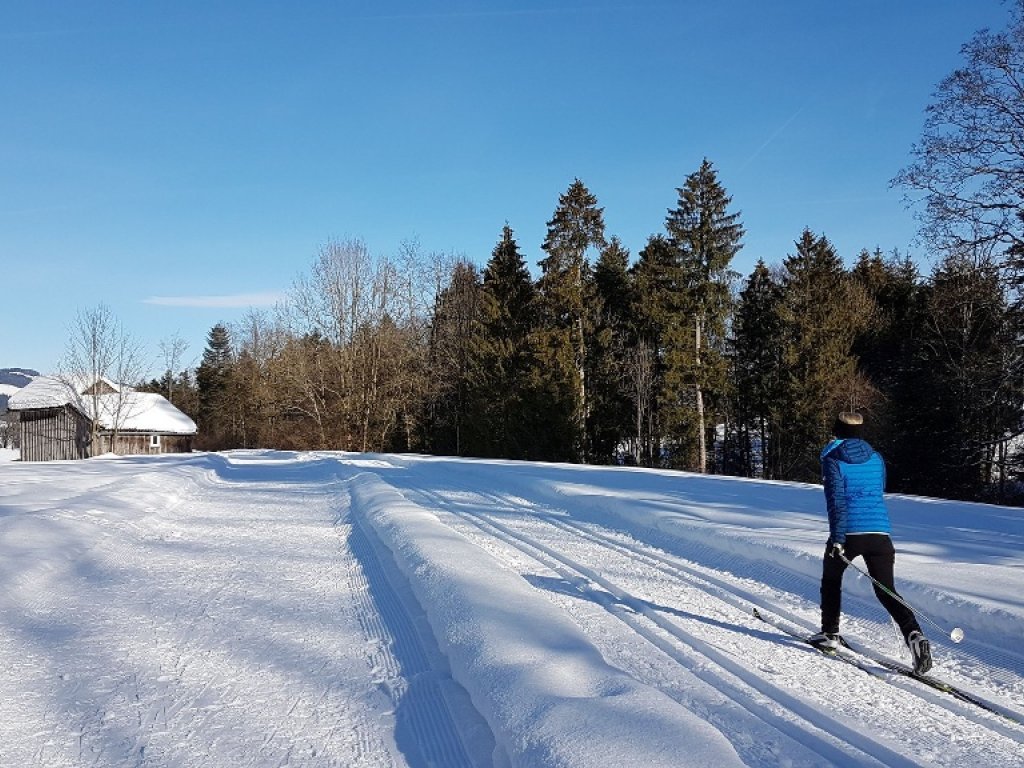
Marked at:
<point>830,652</point>
<point>853,655</point>
<point>939,685</point>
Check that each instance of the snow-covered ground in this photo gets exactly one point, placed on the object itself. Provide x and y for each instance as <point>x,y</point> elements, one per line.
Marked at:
<point>279,609</point>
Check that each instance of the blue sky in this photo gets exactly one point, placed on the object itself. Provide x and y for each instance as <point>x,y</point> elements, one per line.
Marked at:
<point>185,149</point>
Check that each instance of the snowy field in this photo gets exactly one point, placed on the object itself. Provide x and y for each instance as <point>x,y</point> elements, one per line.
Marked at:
<point>277,609</point>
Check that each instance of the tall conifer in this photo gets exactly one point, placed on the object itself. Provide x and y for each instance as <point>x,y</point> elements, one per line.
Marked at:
<point>821,313</point>
<point>565,289</point>
<point>504,403</point>
<point>213,382</point>
<point>968,399</point>
<point>658,301</point>
<point>756,364</point>
<point>452,340</point>
<point>707,236</point>
<point>886,349</point>
<point>610,414</point>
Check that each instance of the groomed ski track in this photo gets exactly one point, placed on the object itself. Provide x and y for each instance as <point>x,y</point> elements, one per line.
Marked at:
<point>262,609</point>
<point>677,617</point>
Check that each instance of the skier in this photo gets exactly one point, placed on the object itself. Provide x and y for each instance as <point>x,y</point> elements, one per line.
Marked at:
<point>854,477</point>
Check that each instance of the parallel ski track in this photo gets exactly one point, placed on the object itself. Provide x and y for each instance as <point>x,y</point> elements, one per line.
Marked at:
<point>733,594</point>
<point>745,599</point>
<point>627,608</point>
<point>1000,663</point>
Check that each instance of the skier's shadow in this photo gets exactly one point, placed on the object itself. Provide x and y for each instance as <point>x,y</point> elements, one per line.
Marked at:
<point>584,589</point>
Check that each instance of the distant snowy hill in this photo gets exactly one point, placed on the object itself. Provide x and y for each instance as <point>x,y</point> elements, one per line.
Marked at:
<point>17,377</point>
<point>11,380</point>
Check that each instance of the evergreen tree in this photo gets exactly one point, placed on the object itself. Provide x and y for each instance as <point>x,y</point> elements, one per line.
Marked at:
<point>707,236</point>
<point>212,382</point>
<point>967,403</point>
<point>756,364</point>
<point>821,314</point>
<point>659,294</point>
<point>565,301</point>
<point>658,301</point>
<point>613,284</point>
<point>610,413</point>
<point>452,339</point>
<point>504,405</point>
<point>886,348</point>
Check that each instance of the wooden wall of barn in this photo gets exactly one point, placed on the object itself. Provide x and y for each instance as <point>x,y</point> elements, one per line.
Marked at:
<point>140,444</point>
<point>49,434</point>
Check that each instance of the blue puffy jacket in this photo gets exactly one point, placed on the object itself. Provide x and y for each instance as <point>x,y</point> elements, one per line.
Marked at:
<point>854,477</point>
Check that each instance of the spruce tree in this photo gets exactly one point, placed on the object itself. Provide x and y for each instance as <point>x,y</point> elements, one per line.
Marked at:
<point>756,365</point>
<point>610,414</point>
<point>452,340</point>
<point>504,404</point>
<point>213,382</point>
<point>821,313</point>
<point>706,236</point>
<point>659,293</point>
<point>658,301</point>
<point>886,348</point>
<point>968,399</point>
<point>565,300</point>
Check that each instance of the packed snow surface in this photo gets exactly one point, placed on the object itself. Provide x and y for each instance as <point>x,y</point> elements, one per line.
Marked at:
<point>328,609</point>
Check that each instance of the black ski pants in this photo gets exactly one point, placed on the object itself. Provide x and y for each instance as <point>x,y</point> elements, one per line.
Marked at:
<point>880,557</point>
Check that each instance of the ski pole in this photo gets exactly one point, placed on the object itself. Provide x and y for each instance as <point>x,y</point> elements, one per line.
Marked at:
<point>956,635</point>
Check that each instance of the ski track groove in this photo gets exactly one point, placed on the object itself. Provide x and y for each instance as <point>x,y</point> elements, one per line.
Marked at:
<point>729,593</point>
<point>1001,665</point>
<point>398,657</point>
<point>744,600</point>
<point>794,584</point>
<point>818,742</point>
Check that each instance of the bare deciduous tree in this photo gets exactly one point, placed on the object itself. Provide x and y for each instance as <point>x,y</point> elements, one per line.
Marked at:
<point>968,166</point>
<point>100,360</point>
<point>337,295</point>
<point>362,323</point>
<point>638,382</point>
<point>172,350</point>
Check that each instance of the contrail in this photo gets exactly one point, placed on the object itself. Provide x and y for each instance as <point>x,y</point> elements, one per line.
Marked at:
<point>773,137</point>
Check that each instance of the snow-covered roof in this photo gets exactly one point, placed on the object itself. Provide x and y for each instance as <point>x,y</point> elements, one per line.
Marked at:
<point>146,412</point>
<point>45,392</point>
<point>139,411</point>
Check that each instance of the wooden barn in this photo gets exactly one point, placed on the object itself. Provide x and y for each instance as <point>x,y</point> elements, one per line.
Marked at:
<point>55,420</point>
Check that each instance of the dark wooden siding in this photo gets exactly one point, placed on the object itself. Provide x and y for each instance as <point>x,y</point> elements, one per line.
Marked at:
<point>49,434</point>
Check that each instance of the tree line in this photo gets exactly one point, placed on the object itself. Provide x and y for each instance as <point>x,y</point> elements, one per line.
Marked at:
<point>670,358</point>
